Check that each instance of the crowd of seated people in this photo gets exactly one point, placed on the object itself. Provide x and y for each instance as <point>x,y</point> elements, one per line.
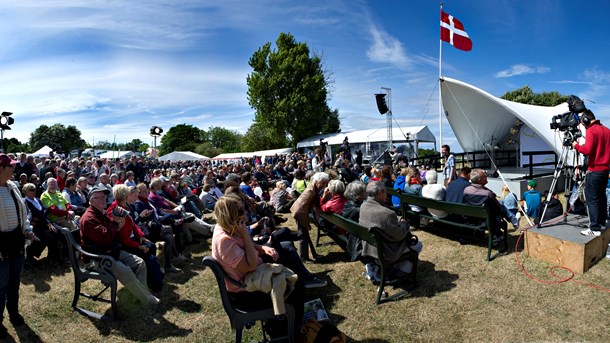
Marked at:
<point>245,194</point>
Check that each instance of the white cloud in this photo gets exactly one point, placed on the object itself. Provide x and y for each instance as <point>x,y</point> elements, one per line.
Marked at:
<point>522,69</point>
<point>387,49</point>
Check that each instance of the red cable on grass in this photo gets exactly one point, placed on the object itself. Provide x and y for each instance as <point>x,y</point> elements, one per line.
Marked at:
<point>553,268</point>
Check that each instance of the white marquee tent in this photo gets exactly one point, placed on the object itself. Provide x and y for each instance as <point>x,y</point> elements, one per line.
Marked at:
<point>117,154</point>
<point>42,152</point>
<point>480,120</point>
<point>262,153</point>
<point>419,134</point>
<point>182,156</point>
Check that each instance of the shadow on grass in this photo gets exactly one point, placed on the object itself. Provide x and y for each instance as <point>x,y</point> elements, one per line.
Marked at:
<point>25,334</point>
<point>40,274</point>
<point>432,281</point>
<point>132,315</point>
<point>471,237</point>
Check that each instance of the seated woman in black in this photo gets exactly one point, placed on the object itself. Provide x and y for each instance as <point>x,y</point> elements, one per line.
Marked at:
<point>47,234</point>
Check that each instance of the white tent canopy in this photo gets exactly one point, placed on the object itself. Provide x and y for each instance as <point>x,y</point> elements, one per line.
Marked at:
<point>117,154</point>
<point>42,152</point>
<point>480,120</point>
<point>182,156</point>
<point>419,134</point>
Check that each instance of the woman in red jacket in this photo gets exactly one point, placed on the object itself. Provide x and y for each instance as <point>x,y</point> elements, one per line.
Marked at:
<point>132,239</point>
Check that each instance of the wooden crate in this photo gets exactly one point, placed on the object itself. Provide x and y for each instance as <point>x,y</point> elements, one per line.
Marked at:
<point>563,245</point>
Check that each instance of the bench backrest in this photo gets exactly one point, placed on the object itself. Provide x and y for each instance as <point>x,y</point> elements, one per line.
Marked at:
<point>369,235</point>
<point>455,208</point>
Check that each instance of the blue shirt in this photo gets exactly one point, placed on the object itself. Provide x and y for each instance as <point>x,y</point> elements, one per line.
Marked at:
<point>455,190</point>
<point>532,201</point>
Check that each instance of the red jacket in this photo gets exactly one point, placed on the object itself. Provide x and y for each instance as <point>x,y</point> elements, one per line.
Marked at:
<point>597,147</point>
<point>128,228</point>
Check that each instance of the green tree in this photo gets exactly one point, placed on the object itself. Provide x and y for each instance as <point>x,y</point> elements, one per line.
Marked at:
<point>56,136</point>
<point>14,145</point>
<point>526,95</point>
<point>259,137</point>
<point>207,149</point>
<point>103,145</point>
<point>134,145</point>
<point>288,89</point>
<point>224,139</point>
<point>181,137</point>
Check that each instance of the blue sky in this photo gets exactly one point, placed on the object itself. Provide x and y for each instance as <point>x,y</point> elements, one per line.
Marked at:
<point>118,67</point>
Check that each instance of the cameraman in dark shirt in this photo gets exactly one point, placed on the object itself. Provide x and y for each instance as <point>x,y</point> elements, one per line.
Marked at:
<point>597,149</point>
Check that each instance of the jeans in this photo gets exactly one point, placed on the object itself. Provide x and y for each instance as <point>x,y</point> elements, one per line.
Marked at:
<point>595,194</point>
<point>10,278</point>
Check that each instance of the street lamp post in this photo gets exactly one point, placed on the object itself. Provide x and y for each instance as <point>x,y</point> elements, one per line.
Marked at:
<point>155,132</point>
<point>5,121</point>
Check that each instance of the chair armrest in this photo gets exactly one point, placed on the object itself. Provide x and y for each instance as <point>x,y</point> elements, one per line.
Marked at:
<point>106,262</point>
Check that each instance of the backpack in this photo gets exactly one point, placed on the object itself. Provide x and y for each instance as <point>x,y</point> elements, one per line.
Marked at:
<point>313,331</point>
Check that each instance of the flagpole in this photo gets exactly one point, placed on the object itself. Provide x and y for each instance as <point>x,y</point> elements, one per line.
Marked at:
<point>440,105</point>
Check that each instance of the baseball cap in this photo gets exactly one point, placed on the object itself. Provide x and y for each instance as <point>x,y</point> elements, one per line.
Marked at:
<point>532,183</point>
<point>6,160</point>
<point>97,189</point>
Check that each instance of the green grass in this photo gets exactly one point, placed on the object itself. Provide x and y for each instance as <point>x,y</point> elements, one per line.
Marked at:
<point>461,298</point>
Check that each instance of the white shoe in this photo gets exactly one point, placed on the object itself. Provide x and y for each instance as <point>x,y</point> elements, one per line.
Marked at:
<point>153,300</point>
<point>173,269</point>
<point>589,232</point>
<point>518,215</point>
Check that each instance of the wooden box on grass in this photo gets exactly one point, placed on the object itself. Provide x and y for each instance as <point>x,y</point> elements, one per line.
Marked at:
<point>562,244</point>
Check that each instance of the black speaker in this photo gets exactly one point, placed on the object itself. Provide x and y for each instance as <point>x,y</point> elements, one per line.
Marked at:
<point>382,106</point>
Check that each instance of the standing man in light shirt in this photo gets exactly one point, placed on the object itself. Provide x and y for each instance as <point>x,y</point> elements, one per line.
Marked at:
<point>449,171</point>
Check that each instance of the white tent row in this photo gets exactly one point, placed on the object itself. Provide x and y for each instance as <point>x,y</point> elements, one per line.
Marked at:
<point>261,153</point>
<point>182,156</point>
<point>481,121</point>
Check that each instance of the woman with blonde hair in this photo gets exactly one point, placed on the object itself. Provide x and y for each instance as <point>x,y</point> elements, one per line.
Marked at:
<point>238,255</point>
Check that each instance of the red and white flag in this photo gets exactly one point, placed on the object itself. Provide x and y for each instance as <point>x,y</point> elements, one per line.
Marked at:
<point>452,32</point>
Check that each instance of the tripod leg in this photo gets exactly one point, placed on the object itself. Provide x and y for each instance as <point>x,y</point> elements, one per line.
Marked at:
<point>556,174</point>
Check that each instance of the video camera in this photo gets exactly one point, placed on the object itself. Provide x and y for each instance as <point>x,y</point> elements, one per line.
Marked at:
<point>568,122</point>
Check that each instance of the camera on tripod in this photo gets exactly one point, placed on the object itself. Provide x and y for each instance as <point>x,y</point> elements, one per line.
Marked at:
<point>568,122</point>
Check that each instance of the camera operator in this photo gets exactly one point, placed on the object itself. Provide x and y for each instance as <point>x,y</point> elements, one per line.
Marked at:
<point>597,149</point>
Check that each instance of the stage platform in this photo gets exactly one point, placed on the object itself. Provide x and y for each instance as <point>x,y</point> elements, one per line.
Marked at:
<point>562,244</point>
<point>518,184</point>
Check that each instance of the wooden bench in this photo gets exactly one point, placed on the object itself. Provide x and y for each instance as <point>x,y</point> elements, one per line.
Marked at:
<point>483,212</point>
<point>331,232</point>
<point>99,268</point>
<point>373,237</point>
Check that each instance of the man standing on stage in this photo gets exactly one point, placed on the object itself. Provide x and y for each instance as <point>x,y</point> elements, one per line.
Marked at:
<point>449,172</point>
<point>597,149</point>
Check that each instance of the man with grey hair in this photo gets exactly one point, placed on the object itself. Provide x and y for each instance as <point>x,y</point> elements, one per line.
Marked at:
<point>478,194</point>
<point>397,237</point>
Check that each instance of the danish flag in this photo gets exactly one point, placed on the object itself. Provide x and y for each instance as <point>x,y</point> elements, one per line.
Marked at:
<point>452,32</point>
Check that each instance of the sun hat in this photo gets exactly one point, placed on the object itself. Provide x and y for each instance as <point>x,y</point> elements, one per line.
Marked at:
<point>6,160</point>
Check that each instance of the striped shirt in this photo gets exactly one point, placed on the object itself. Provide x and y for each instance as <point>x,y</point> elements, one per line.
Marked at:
<point>9,210</point>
